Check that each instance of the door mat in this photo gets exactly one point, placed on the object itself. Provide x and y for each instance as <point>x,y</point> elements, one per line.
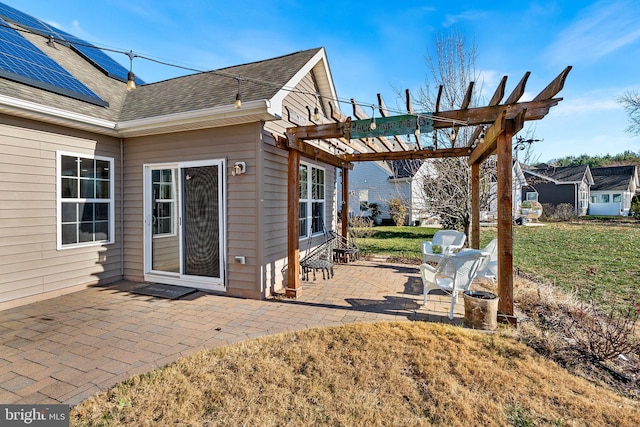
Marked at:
<point>164,291</point>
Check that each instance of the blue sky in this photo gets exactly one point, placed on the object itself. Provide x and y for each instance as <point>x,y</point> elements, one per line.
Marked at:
<point>380,47</point>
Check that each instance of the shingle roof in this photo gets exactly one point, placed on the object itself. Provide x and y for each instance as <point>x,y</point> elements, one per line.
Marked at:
<point>560,173</point>
<point>612,177</point>
<point>404,168</point>
<point>259,80</point>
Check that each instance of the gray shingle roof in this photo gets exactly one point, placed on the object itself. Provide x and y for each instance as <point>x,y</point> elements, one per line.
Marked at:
<point>612,177</point>
<point>404,168</point>
<point>561,173</point>
<point>259,80</point>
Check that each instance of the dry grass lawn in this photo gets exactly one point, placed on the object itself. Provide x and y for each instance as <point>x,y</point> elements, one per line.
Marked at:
<point>396,374</point>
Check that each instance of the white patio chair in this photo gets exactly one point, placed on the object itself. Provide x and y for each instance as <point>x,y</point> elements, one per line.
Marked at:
<point>489,267</point>
<point>448,240</point>
<point>453,274</point>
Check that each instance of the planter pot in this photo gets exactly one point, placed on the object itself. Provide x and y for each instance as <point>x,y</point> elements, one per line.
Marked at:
<point>480,310</point>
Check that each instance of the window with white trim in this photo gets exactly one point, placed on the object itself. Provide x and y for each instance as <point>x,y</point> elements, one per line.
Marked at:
<point>617,198</point>
<point>312,200</point>
<point>532,196</point>
<point>605,198</point>
<point>85,200</point>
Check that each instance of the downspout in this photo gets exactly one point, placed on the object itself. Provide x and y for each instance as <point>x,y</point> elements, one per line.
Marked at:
<point>122,208</point>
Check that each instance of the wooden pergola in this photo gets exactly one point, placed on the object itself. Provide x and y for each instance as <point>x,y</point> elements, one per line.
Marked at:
<point>499,121</point>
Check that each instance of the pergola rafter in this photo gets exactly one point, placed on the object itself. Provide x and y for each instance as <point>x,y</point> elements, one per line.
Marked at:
<point>499,122</point>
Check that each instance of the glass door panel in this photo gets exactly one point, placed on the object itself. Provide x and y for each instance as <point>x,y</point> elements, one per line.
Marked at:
<point>201,222</point>
<point>165,230</point>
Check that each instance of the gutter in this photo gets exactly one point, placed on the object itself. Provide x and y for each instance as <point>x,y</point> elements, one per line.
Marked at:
<point>225,115</point>
<point>35,111</point>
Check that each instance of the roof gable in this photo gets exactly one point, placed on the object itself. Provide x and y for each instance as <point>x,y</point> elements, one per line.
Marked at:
<point>622,178</point>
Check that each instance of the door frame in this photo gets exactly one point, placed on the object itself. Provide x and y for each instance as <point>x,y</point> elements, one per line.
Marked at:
<point>170,278</point>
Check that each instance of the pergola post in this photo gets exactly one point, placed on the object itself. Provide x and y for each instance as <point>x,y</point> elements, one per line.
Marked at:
<point>475,205</point>
<point>505,222</point>
<point>345,203</point>
<point>293,289</point>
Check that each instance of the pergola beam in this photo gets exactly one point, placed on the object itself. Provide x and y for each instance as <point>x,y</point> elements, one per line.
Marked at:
<point>536,110</point>
<point>407,155</point>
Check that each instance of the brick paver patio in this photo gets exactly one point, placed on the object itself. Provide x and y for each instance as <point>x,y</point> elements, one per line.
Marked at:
<point>68,348</point>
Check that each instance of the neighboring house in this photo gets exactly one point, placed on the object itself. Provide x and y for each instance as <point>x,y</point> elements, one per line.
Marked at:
<point>169,183</point>
<point>379,182</point>
<point>559,184</point>
<point>613,189</point>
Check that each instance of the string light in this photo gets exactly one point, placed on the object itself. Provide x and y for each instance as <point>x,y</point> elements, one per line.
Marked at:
<point>373,125</point>
<point>316,112</point>
<point>131,78</point>
<point>238,101</point>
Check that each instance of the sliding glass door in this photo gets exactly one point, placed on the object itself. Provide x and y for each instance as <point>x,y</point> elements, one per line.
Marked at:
<point>184,224</point>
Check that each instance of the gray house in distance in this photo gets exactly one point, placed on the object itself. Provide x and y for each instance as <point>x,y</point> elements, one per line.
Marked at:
<point>559,184</point>
<point>172,182</point>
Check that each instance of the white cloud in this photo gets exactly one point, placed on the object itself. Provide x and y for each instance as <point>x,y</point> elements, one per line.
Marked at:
<point>600,30</point>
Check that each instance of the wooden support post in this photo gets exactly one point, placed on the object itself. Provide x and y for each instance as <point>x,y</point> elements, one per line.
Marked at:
<point>505,224</point>
<point>475,205</point>
<point>345,203</point>
<point>293,289</point>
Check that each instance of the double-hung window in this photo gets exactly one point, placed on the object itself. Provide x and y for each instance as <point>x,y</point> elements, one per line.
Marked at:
<point>312,201</point>
<point>85,200</point>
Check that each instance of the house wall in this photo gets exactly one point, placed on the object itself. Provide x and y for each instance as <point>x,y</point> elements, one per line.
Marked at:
<point>373,179</point>
<point>31,267</point>
<point>611,208</point>
<point>234,143</point>
<point>552,193</point>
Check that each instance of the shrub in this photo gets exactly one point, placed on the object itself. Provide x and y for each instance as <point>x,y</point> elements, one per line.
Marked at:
<point>604,334</point>
<point>360,227</point>
<point>548,212</point>
<point>398,211</point>
<point>635,207</point>
<point>564,212</point>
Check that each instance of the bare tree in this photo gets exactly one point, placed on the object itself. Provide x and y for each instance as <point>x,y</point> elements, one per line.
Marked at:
<point>446,183</point>
<point>631,102</point>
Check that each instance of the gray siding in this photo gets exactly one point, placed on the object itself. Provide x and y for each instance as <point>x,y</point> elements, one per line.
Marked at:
<point>274,188</point>
<point>236,143</point>
<point>30,265</point>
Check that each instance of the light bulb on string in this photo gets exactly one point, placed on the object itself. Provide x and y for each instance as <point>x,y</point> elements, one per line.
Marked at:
<point>131,78</point>
<point>238,102</point>
<point>316,112</point>
<point>373,125</point>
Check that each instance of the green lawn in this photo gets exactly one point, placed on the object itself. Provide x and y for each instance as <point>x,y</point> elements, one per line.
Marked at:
<point>600,256</point>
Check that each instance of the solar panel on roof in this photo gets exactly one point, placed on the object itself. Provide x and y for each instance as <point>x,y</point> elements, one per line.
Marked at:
<point>98,58</point>
<point>91,53</point>
<point>22,61</point>
<point>14,15</point>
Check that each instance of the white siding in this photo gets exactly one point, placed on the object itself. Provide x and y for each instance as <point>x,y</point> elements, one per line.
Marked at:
<point>374,178</point>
